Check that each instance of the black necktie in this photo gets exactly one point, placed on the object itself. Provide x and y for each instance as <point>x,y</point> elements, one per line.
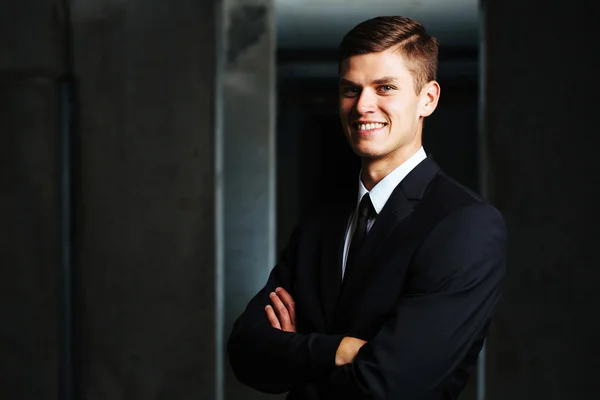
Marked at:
<point>365,211</point>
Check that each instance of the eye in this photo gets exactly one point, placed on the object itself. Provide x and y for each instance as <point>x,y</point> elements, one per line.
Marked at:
<point>386,88</point>
<point>350,91</point>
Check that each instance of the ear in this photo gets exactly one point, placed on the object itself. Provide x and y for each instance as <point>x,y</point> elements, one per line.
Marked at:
<point>430,94</point>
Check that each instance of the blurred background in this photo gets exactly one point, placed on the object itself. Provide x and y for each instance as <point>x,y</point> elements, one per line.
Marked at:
<point>155,156</point>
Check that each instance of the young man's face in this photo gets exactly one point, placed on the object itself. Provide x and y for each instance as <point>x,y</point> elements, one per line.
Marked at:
<point>380,112</point>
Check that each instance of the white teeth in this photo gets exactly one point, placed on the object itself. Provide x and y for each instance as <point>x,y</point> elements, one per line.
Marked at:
<point>370,126</point>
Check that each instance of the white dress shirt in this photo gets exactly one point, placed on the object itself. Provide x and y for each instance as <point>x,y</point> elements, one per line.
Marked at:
<point>379,196</point>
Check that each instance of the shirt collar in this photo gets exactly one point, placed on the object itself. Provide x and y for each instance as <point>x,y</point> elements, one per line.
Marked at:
<point>383,190</point>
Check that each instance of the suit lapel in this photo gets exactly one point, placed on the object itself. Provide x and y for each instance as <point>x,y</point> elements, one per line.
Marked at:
<point>331,260</point>
<point>399,206</point>
<point>396,209</point>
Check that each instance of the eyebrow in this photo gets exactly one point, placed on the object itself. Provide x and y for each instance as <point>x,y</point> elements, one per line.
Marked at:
<point>384,80</point>
<point>380,81</point>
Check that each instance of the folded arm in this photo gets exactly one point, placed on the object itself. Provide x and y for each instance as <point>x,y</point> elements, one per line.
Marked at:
<point>274,360</point>
<point>282,316</point>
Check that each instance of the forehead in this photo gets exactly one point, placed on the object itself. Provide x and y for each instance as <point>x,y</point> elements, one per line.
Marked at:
<point>372,66</point>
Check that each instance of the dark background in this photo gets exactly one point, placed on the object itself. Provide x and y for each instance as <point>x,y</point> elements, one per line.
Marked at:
<point>197,144</point>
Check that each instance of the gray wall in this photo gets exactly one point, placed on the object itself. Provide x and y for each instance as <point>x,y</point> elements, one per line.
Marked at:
<point>29,196</point>
<point>145,217</point>
<point>248,149</point>
<point>541,123</point>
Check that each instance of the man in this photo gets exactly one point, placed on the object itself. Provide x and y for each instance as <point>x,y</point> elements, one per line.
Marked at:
<point>391,299</point>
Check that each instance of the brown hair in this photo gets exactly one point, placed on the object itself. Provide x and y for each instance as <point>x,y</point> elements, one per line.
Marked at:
<point>419,49</point>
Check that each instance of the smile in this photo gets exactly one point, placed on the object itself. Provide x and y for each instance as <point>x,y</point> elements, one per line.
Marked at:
<point>371,126</point>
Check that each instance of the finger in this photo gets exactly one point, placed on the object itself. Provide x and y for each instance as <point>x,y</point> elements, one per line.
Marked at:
<point>289,303</point>
<point>272,317</point>
<point>282,313</point>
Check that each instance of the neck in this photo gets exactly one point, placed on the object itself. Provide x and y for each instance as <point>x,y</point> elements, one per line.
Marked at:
<point>375,169</point>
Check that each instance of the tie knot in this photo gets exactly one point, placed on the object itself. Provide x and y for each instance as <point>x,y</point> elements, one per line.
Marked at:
<point>365,208</point>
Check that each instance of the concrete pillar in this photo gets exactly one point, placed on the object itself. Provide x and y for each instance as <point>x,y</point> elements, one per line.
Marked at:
<point>541,112</point>
<point>146,205</point>
<point>248,149</point>
<point>30,64</point>
<point>177,204</point>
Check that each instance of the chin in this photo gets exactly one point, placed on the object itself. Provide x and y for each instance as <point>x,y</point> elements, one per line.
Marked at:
<point>368,152</point>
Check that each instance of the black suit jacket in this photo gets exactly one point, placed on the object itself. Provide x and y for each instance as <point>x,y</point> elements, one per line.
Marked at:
<point>425,287</point>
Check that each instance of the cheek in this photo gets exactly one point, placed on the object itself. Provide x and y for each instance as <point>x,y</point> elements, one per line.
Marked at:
<point>400,109</point>
<point>343,118</point>
<point>391,108</point>
<point>402,115</point>
<point>345,109</point>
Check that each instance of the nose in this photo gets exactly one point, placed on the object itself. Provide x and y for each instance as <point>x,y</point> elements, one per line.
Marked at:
<point>367,102</point>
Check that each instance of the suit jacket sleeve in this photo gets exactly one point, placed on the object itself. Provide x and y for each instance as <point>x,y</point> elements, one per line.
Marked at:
<point>454,287</point>
<point>271,360</point>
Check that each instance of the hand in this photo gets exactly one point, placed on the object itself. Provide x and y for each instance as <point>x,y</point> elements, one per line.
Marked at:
<point>282,314</point>
<point>347,350</point>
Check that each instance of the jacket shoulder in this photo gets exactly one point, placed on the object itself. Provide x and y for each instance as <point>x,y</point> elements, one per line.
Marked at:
<point>445,196</point>
<point>446,189</point>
